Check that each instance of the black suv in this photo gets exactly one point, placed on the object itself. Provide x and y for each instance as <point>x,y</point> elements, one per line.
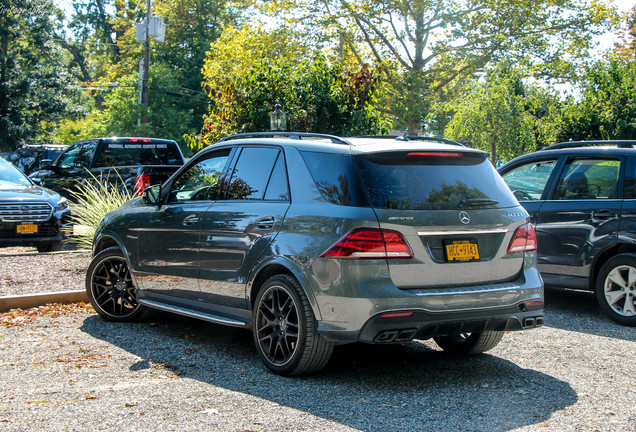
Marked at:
<point>581,197</point>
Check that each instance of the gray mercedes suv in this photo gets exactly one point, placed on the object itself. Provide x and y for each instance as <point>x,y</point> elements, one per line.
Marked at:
<point>311,241</point>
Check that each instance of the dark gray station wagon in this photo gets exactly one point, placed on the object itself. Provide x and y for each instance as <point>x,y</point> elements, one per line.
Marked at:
<point>312,241</point>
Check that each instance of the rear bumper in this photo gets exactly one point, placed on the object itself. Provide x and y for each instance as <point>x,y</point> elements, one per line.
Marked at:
<point>423,325</point>
<point>395,315</point>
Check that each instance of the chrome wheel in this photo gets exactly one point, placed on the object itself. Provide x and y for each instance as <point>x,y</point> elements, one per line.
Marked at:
<point>277,325</point>
<point>110,287</point>
<point>616,289</point>
<point>620,290</point>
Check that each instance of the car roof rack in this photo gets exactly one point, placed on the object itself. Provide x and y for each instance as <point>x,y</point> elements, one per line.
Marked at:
<point>574,144</point>
<point>414,138</point>
<point>292,135</point>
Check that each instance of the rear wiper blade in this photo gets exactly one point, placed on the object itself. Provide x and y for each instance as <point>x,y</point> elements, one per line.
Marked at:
<point>474,202</point>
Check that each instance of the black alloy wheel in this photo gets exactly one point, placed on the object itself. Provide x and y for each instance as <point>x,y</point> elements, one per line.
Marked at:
<point>110,287</point>
<point>469,343</point>
<point>285,329</point>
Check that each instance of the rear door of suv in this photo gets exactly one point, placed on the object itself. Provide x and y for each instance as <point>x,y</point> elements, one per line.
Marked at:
<point>580,218</point>
<point>575,202</point>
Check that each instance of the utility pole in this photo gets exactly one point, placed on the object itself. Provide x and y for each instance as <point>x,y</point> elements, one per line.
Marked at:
<point>144,91</point>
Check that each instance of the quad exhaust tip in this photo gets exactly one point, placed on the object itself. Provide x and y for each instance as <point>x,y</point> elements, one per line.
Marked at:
<point>392,336</point>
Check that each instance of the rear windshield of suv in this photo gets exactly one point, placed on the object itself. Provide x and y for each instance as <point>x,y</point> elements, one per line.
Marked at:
<point>137,154</point>
<point>432,181</point>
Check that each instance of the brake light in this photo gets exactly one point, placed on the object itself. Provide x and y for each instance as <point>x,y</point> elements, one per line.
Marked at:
<point>370,243</point>
<point>435,154</point>
<point>142,182</point>
<point>523,240</point>
<point>139,140</point>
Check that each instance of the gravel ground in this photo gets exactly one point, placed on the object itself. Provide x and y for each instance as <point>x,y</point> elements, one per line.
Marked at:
<point>63,368</point>
<point>24,271</point>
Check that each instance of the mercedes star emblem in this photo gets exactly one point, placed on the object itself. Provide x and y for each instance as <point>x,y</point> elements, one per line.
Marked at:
<point>464,217</point>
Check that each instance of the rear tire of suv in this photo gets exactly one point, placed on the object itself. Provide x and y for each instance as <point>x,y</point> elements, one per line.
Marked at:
<point>616,289</point>
<point>110,287</point>
<point>469,343</point>
<point>285,329</point>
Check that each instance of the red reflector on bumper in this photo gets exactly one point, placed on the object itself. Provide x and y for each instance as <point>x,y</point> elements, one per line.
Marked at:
<point>534,303</point>
<point>396,314</point>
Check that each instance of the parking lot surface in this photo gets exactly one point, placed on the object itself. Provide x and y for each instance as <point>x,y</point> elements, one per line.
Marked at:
<point>63,368</point>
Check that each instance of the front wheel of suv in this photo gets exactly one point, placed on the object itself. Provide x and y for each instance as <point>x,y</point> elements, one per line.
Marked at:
<point>469,343</point>
<point>110,287</point>
<point>616,289</point>
<point>285,329</point>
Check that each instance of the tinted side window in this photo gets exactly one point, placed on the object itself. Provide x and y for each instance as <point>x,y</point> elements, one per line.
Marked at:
<point>528,181</point>
<point>585,178</point>
<point>336,177</point>
<point>202,181</point>
<point>277,188</point>
<point>252,173</point>
<point>77,155</point>
<point>121,154</point>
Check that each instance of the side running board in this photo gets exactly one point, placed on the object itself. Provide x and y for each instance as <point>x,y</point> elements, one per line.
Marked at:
<point>193,313</point>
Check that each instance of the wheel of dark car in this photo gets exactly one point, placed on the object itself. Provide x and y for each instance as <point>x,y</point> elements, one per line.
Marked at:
<point>469,343</point>
<point>49,247</point>
<point>285,329</point>
<point>110,287</point>
<point>616,289</point>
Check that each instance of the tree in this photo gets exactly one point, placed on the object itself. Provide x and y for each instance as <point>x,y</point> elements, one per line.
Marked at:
<point>427,47</point>
<point>606,108</point>
<point>504,115</point>
<point>319,95</point>
<point>35,91</point>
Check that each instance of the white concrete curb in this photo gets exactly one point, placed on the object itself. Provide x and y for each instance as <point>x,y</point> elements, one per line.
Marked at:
<point>34,300</point>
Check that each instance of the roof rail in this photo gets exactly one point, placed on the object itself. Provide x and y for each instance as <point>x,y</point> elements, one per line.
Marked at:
<point>414,138</point>
<point>573,144</point>
<point>292,135</point>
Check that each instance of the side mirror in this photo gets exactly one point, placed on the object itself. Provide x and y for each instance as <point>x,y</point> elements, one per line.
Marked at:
<point>46,163</point>
<point>151,195</point>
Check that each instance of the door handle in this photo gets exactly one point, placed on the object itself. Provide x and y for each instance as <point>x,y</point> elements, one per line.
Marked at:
<point>603,214</point>
<point>264,223</point>
<point>191,220</point>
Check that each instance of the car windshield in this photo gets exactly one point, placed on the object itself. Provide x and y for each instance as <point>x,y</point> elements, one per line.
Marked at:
<point>11,175</point>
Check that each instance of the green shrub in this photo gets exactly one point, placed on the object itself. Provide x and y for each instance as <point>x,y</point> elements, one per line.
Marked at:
<point>91,201</point>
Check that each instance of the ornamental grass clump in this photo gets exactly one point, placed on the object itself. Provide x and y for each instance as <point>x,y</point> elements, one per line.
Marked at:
<point>91,201</point>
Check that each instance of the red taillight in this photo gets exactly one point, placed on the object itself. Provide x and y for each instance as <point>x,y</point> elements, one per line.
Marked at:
<point>139,140</point>
<point>523,240</point>
<point>142,182</point>
<point>370,243</point>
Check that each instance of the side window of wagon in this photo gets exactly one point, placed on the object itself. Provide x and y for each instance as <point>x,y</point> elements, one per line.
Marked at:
<point>252,173</point>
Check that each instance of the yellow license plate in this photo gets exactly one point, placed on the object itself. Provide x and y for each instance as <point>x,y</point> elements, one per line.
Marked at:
<point>462,250</point>
<point>27,229</point>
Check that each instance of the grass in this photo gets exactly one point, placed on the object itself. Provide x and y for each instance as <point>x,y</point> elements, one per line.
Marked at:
<point>92,200</point>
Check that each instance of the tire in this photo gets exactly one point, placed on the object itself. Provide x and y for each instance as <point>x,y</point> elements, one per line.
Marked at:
<point>616,289</point>
<point>50,247</point>
<point>110,287</point>
<point>285,329</point>
<point>469,343</point>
